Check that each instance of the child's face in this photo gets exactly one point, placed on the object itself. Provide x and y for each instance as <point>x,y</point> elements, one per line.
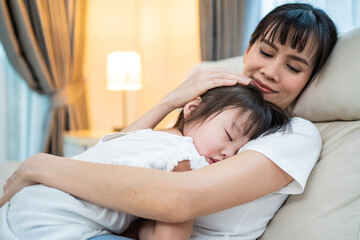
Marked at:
<point>219,137</point>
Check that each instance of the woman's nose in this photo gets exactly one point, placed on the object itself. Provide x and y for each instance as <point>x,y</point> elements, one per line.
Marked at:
<point>271,70</point>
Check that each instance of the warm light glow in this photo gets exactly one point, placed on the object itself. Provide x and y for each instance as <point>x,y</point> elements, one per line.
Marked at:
<point>124,71</point>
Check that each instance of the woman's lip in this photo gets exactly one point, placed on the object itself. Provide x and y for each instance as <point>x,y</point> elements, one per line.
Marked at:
<point>263,87</point>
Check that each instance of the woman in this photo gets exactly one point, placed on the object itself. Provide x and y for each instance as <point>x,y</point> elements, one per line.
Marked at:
<point>288,48</point>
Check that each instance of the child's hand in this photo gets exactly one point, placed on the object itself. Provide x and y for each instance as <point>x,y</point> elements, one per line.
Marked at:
<point>182,166</point>
<point>201,80</point>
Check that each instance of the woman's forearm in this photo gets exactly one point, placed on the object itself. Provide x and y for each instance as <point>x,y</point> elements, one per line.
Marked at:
<point>159,195</point>
<point>128,189</point>
<point>151,118</point>
<point>197,83</point>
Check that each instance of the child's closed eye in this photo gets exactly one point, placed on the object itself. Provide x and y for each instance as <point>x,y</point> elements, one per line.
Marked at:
<point>228,135</point>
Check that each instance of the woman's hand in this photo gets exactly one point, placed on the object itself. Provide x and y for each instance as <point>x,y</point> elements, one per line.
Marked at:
<point>197,83</point>
<point>17,181</point>
<point>201,80</point>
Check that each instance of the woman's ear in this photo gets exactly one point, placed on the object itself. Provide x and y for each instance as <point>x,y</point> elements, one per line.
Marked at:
<point>191,106</point>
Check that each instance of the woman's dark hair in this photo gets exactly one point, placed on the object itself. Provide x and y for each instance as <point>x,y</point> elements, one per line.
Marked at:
<point>264,117</point>
<point>302,22</point>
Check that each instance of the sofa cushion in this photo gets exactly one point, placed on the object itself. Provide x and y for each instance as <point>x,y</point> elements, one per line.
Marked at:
<point>329,208</point>
<point>334,94</point>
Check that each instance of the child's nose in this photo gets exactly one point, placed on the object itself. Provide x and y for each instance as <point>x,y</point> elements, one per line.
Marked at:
<point>228,152</point>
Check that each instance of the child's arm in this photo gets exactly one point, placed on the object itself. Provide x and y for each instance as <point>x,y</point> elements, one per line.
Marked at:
<point>153,230</point>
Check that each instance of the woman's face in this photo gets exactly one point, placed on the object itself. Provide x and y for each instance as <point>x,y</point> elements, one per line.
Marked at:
<point>278,70</point>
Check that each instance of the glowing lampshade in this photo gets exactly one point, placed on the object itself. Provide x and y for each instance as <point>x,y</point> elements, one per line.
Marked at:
<point>124,71</point>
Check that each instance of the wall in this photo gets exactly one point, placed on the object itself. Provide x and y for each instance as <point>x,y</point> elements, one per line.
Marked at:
<point>164,32</point>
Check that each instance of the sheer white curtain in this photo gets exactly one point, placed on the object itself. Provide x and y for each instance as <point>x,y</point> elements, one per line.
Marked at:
<point>345,13</point>
<point>23,115</point>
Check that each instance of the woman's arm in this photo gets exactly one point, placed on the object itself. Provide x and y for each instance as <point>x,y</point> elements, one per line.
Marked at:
<point>154,194</point>
<point>197,83</point>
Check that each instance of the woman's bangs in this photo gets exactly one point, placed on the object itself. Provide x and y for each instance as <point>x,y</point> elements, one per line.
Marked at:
<point>293,31</point>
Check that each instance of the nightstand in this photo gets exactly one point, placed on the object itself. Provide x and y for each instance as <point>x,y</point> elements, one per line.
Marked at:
<point>75,142</point>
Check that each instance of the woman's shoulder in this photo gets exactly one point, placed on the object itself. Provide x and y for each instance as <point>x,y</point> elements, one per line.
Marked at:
<point>306,130</point>
<point>298,129</point>
<point>302,123</point>
<point>301,133</point>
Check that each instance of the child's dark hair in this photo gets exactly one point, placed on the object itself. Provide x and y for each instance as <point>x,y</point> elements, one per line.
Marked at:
<point>299,22</point>
<point>264,117</point>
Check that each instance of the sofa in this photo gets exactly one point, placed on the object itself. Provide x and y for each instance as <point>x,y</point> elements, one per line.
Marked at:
<point>329,208</point>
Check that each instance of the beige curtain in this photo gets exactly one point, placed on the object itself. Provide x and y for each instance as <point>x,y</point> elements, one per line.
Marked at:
<point>226,27</point>
<point>44,41</point>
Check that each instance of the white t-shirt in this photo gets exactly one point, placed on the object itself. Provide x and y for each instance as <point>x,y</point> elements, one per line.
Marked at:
<point>296,153</point>
<point>40,212</point>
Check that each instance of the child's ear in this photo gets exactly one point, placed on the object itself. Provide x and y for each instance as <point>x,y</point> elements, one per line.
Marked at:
<point>191,106</point>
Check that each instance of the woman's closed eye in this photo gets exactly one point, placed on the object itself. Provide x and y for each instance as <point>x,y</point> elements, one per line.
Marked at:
<point>228,135</point>
<point>295,70</point>
<point>266,54</point>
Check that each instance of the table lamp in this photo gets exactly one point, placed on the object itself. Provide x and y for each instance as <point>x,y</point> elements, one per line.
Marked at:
<point>123,74</point>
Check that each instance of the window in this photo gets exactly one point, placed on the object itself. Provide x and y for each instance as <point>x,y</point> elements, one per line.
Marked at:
<point>23,115</point>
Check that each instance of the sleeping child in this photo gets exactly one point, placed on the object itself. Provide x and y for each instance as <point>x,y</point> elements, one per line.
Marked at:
<point>209,129</point>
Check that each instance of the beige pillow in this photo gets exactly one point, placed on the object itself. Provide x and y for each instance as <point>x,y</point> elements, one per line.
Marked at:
<point>335,95</point>
<point>329,208</point>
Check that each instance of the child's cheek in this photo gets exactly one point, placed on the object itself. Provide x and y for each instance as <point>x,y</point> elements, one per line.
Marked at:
<point>201,148</point>
<point>208,149</point>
